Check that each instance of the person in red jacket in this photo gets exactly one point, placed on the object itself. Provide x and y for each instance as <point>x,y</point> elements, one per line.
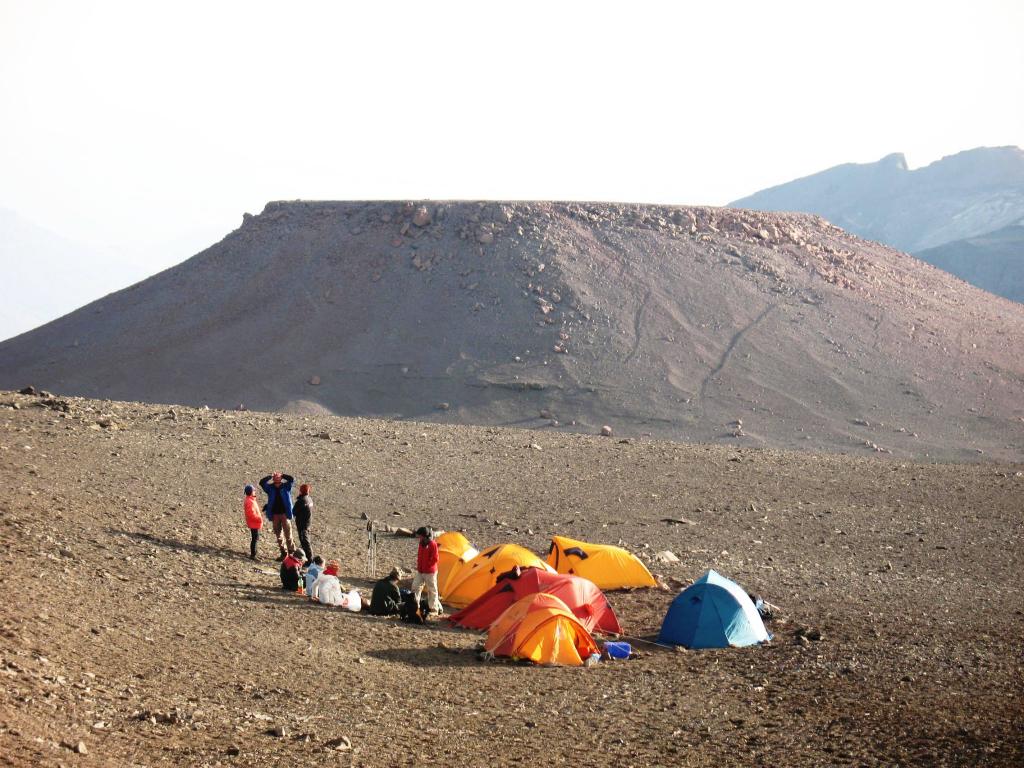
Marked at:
<point>253,519</point>
<point>426,570</point>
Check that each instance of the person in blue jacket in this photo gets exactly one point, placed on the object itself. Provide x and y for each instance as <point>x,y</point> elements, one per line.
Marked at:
<point>278,487</point>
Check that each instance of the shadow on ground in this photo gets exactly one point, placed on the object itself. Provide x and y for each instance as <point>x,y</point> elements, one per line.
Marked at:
<point>177,544</point>
<point>428,657</point>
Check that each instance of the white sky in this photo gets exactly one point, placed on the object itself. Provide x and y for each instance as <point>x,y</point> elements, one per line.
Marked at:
<point>147,129</point>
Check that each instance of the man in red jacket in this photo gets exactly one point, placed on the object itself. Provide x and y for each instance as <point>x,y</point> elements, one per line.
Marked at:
<point>426,570</point>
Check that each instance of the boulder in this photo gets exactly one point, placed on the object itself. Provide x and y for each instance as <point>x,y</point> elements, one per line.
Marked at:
<point>422,217</point>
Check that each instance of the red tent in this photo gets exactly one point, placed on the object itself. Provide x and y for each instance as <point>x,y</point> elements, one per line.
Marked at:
<point>580,595</point>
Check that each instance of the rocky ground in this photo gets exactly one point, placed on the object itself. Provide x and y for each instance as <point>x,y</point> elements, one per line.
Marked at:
<point>135,631</point>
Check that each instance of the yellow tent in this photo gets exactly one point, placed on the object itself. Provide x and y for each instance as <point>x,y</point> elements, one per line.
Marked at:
<point>453,551</point>
<point>540,627</point>
<point>607,566</point>
<point>481,573</point>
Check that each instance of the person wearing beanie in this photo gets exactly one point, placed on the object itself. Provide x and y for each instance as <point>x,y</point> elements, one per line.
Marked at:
<point>426,570</point>
<point>386,596</point>
<point>327,588</point>
<point>303,511</point>
<point>253,519</point>
<point>278,487</point>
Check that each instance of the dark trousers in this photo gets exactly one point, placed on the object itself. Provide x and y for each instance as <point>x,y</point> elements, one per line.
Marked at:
<point>304,542</point>
<point>255,532</point>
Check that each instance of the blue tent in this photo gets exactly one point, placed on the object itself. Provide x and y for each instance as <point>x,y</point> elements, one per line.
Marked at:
<point>713,612</point>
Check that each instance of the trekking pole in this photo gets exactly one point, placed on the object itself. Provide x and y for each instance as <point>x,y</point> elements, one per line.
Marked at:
<point>371,549</point>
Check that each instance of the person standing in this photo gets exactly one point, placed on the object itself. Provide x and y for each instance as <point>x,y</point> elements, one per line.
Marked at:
<point>303,511</point>
<point>253,519</point>
<point>426,570</point>
<point>278,487</point>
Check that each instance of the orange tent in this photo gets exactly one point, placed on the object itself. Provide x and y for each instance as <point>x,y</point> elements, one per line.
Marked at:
<point>607,566</point>
<point>581,596</point>
<point>481,573</point>
<point>539,627</point>
<point>453,551</point>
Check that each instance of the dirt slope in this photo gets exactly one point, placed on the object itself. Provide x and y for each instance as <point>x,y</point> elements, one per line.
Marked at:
<point>132,622</point>
<point>674,322</point>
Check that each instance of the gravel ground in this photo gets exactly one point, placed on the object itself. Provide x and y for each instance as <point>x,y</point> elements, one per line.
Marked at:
<point>135,631</point>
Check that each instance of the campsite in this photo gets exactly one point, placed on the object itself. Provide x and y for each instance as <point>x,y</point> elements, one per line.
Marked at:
<point>136,630</point>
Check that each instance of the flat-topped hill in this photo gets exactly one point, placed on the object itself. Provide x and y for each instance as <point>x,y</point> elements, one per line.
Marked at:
<point>700,324</point>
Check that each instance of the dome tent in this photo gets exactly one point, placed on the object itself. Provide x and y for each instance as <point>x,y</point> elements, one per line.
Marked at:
<point>713,612</point>
<point>540,628</point>
<point>607,566</point>
<point>481,573</point>
<point>453,551</point>
<point>581,596</point>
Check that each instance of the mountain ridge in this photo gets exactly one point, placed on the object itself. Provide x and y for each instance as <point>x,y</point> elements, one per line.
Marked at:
<point>872,200</point>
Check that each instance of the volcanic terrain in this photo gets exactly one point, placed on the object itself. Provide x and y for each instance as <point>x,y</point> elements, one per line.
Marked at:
<point>700,324</point>
<point>135,630</point>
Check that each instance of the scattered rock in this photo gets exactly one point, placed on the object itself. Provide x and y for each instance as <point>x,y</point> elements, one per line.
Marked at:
<point>314,381</point>
<point>606,431</point>
<point>340,744</point>
<point>279,731</point>
<point>422,216</point>
<point>442,406</point>
<point>666,556</point>
<point>233,751</point>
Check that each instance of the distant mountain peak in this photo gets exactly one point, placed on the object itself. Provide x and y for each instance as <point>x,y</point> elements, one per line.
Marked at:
<point>895,160</point>
<point>960,196</point>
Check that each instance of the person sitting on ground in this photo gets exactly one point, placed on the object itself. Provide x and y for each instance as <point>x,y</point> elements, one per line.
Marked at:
<point>278,487</point>
<point>253,519</point>
<point>301,514</point>
<point>426,569</point>
<point>327,589</point>
<point>291,578</point>
<point>386,598</point>
<point>313,572</point>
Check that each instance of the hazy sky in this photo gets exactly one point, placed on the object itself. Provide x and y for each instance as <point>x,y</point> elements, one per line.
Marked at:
<point>145,130</point>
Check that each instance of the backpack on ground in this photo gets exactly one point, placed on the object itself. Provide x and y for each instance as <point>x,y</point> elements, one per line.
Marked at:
<point>410,611</point>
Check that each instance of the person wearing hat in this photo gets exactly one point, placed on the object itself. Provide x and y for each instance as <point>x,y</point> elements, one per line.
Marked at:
<point>253,519</point>
<point>302,512</point>
<point>327,588</point>
<point>426,569</point>
<point>278,487</point>
<point>386,596</point>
